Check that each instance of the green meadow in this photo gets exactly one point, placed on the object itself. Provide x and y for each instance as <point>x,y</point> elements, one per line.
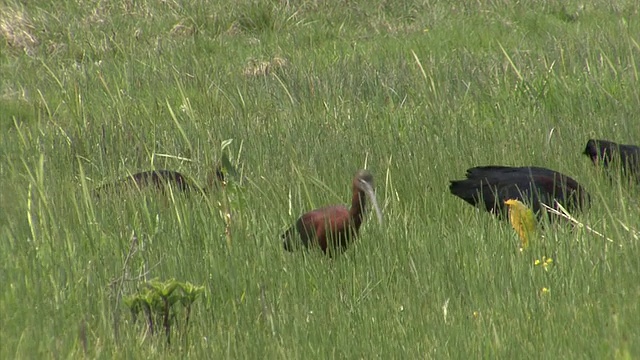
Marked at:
<point>300,95</point>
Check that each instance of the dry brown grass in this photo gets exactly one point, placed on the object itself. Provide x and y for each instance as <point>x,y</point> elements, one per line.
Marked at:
<point>263,68</point>
<point>17,30</point>
<point>182,29</point>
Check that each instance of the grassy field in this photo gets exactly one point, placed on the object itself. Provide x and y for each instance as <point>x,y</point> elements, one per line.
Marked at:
<point>309,92</point>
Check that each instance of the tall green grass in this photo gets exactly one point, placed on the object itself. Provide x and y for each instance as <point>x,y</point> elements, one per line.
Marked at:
<point>309,92</point>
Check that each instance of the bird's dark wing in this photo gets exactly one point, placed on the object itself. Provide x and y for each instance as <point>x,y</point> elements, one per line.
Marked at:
<point>490,186</point>
<point>630,158</point>
<point>162,178</point>
<point>476,192</point>
<point>158,179</point>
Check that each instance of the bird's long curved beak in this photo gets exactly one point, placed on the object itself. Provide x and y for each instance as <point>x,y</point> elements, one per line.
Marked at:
<point>374,201</point>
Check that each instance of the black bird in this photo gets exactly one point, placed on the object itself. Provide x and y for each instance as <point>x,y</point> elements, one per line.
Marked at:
<point>490,186</point>
<point>160,180</point>
<point>605,152</point>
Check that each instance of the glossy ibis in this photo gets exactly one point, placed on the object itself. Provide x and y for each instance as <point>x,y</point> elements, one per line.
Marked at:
<point>491,186</point>
<point>607,152</point>
<point>333,227</point>
<point>160,180</point>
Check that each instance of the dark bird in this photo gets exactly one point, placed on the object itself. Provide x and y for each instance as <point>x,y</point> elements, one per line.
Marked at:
<point>160,180</point>
<point>333,227</point>
<point>605,152</point>
<point>491,186</point>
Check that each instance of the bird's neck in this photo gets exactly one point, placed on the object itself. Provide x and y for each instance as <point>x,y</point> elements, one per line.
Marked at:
<point>358,204</point>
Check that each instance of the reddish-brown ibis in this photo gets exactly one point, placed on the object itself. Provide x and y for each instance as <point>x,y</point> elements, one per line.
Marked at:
<point>332,228</point>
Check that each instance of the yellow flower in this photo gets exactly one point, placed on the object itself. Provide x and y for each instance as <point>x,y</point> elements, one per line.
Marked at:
<point>522,220</point>
<point>544,291</point>
<point>545,262</point>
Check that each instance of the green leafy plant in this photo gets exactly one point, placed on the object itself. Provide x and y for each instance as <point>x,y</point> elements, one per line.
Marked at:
<point>157,301</point>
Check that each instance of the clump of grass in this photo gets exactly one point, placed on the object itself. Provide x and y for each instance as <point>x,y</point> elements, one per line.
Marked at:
<point>257,17</point>
<point>262,17</point>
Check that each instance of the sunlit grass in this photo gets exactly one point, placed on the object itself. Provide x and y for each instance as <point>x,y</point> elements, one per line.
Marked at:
<point>309,93</point>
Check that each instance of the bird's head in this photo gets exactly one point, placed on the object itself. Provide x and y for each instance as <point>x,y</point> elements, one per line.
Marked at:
<point>600,151</point>
<point>363,181</point>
